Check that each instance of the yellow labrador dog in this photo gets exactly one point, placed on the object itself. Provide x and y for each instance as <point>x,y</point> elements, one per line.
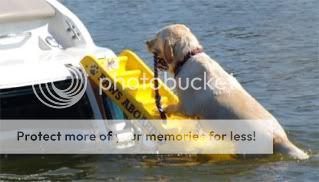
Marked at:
<point>181,54</point>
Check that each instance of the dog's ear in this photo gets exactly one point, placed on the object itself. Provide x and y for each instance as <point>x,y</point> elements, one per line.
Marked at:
<point>150,45</point>
<point>168,52</point>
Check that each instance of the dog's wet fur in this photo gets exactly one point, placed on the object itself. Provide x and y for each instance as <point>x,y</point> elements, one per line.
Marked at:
<point>171,44</point>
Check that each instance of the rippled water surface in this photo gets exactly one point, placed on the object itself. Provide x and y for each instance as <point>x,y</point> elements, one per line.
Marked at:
<point>272,48</point>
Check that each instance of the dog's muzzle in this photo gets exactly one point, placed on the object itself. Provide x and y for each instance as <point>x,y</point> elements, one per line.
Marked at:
<point>161,63</point>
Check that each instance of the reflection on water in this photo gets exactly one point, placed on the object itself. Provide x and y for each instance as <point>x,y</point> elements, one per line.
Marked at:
<point>122,167</point>
<point>272,48</point>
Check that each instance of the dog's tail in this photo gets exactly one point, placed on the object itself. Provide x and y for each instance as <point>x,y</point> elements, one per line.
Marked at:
<point>292,150</point>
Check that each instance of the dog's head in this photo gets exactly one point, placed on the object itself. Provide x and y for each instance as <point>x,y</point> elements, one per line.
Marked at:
<point>171,44</point>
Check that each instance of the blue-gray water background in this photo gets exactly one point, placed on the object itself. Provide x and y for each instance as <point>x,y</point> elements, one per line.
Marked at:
<point>272,48</point>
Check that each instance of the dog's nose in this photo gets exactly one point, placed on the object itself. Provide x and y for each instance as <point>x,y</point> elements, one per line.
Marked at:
<point>147,42</point>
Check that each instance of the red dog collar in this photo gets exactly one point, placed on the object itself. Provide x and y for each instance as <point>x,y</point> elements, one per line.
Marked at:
<point>186,58</point>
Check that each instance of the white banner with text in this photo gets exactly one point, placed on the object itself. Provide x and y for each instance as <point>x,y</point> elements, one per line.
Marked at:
<point>136,137</point>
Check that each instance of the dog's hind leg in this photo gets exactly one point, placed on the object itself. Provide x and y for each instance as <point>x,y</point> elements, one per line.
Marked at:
<point>290,149</point>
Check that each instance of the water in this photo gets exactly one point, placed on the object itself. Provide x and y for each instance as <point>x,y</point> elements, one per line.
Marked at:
<point>272,48</point>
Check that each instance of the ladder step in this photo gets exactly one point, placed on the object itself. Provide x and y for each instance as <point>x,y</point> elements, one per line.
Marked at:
<point>129,76</point>
<point>151,101</point>
<point>142,90</point>
<point>122,62</point>
<point>151,106</point>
